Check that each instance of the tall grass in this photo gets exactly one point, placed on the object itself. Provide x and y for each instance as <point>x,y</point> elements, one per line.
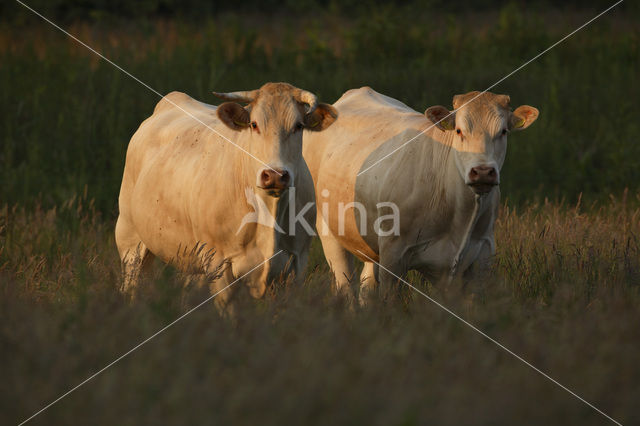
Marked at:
<point>67,116</point>
<point>564,293</point>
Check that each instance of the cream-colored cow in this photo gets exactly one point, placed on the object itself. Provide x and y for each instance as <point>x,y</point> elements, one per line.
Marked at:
<point>442,186</point>
<point>187,193</point>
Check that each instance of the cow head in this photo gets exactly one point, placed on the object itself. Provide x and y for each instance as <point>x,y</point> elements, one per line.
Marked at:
<point>478,128</point>
<point>272,122</point>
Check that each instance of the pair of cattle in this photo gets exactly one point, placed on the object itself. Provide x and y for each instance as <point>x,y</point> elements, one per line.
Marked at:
<point>195,172</point>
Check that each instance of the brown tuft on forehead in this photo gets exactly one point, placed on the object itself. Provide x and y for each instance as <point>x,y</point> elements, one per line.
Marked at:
<point>503,101</point>
<point>481,99</point>
<point>277,107</point>
<point>460,100</point>
<point>277,89</point>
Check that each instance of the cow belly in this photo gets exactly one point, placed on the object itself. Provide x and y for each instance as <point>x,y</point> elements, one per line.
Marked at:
<point>159,221</point>
<point>435,259</point>
<point>166,237</point>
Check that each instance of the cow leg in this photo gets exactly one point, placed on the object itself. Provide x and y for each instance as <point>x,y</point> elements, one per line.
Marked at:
<point>135,257</point>
<point>368,282</point>
<point>389,273</point>
<point>301,260</point>
<point>136,263</point>
<point>218,287</point>
<point>211,284</point>
<point>340,260</point>
<point>476,273</point>
<point>485,257</point>
<point>392,267</point>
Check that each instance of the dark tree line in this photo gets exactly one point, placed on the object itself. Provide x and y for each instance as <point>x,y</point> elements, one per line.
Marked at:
<point>104,10</point>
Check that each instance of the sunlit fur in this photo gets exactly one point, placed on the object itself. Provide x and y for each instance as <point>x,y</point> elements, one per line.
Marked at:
<point>186,180</point>
<point>276,108</point>
<point>276,142</point>
<point>485,113</point>
<point>383,151</point>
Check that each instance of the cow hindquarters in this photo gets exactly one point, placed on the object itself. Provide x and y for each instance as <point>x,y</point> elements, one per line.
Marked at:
<point>368,283</point>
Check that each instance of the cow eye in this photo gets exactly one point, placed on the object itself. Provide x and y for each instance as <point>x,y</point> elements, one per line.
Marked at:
<point>254,125</point>
<point>458,131</point>
<point>299,126</point>
<point>504,132</point>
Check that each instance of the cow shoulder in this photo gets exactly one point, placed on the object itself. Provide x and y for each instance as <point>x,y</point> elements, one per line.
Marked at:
<point>173,122</point>
<point>172,100</point>
<point>373,115</point>
<point>365,98</point>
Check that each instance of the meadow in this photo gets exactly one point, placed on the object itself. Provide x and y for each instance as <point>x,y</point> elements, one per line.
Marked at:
<point>563,294</point>
<point>564,290</point>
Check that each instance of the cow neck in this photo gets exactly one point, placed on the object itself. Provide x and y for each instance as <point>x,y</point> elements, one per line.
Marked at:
<point>464,243</point>
<point>459,200</point>
<point>247,175</point>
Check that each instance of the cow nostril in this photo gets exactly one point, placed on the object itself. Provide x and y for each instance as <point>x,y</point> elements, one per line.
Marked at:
<point>492,172</point>
<point>285,177</point>
<point>473,173</point>
<point>265,176</point>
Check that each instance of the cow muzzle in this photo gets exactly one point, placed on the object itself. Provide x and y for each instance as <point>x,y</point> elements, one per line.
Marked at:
<point>274,181</point>
<point>482,179</point>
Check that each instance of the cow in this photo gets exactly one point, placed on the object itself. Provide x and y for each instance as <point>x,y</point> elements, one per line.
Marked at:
<point>198,177</point>
<point>432,177</point>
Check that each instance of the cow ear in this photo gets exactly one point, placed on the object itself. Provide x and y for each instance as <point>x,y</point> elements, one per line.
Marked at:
<point>234,116</point>
<point>322,117</point>
<point>522,117</point>
<point>441,117</point>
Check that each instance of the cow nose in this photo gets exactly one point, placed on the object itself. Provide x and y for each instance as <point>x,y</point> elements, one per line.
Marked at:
<point>285,178</point>
<point>278,179</point>
<point>483,174</point>
<point>483,178</point>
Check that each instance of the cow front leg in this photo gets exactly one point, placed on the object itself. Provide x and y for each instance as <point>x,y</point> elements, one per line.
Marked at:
<point>392,274</point>
<point>223,286</point>
<point>392,268</point>
<point>211,278</point>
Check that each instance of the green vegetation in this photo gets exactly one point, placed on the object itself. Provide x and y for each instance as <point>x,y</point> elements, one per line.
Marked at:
<point>67,116</point>
<point>564,291</point>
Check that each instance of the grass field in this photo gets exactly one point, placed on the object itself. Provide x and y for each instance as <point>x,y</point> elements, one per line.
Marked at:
<point>67,116</point>
<point>564,291</point>
<point>564,294</point>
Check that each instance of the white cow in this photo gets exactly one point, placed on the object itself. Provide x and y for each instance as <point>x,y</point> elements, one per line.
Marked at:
<point>198,179</point>
<point>442,186</point>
